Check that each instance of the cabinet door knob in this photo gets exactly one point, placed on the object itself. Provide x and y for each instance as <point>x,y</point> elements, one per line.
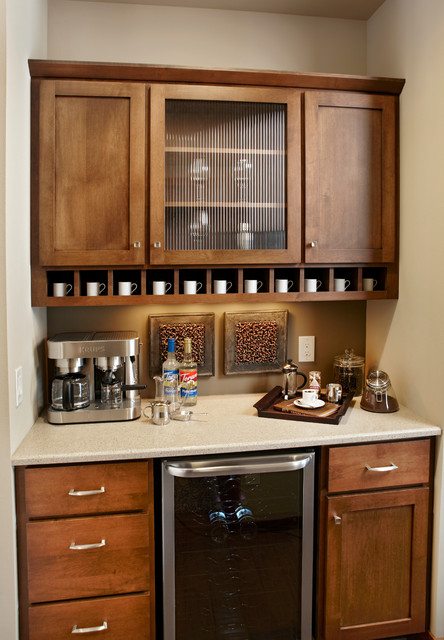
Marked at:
<point>157,245</point>
<point>313,243</point>
<point>136,245</point>
<point>392,467</point>
<point>337,519</point>
<point>102,627</point>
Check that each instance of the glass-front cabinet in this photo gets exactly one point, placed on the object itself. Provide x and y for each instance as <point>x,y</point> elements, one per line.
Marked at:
<point>225,175</point>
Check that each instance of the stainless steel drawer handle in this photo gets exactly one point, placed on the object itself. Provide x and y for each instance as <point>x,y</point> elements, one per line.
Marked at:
<point>392,467</point>
<point>337,519</point>
<point>102,627</point>
<point>92,492</point>
<point>80,547</point>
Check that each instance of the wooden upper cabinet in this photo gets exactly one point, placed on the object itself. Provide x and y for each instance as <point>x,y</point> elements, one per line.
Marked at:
<point>91,168</point>
<point>350,180</point>
<point>225,175</point>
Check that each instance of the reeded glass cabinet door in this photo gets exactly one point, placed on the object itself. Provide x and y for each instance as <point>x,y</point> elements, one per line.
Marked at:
<point>225,175</point>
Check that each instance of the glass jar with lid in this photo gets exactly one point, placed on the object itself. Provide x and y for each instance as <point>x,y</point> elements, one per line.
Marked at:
<point>349,372</point>
<point>378,395</point>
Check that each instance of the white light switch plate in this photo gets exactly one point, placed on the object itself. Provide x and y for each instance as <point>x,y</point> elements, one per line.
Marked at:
<point>306,349</point>
<point>18,386</point>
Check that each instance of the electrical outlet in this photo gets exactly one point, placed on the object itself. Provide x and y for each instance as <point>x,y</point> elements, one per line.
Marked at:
<point>18,386</point>
<point>306,349</point>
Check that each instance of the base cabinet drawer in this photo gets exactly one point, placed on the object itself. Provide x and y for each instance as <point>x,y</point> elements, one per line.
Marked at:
<point>376,466</point>
<point>118,618</point>
<point>87,557</point>
<point>82,489</point>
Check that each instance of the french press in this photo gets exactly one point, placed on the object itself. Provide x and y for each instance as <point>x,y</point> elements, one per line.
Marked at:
<point>291,373</point>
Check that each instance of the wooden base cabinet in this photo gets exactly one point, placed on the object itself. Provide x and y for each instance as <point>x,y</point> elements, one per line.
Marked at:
<point>377,541</point>
<point>86,551</point>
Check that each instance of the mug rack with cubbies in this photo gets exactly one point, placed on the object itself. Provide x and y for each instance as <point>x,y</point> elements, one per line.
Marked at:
<point>385,280</point>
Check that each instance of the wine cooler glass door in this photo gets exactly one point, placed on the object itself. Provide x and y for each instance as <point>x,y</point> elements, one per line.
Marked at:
<point>238,547</point>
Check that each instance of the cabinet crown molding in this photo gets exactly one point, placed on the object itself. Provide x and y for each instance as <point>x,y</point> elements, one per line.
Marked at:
<point>205,75</point>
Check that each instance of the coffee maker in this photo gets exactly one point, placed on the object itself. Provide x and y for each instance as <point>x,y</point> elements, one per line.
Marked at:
<point>94,377</point>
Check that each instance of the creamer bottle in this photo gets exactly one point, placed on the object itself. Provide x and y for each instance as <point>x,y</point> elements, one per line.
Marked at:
<point>188,376</point>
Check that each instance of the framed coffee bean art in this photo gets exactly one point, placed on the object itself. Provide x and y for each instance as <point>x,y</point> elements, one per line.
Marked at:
<point>255,342</point>
<point>198,327</point>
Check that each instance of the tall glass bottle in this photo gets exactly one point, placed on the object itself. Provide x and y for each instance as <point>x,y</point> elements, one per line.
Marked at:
<point>170,373</point>
<point>188,376</point>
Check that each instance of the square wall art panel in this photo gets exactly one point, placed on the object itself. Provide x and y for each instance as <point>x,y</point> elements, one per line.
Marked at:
<point>198,327</point>
<point>255,342</point>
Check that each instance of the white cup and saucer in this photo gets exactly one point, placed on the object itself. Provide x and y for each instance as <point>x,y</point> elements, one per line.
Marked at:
<point>309,400</point>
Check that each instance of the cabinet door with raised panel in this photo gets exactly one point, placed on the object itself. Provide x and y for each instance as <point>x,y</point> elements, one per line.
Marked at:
<point>376,564</point>
<point>225,175</point>
<point>350,177</point>
<point>91,173</point>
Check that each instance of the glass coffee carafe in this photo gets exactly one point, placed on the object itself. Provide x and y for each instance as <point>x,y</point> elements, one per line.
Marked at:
<point>70,391</point>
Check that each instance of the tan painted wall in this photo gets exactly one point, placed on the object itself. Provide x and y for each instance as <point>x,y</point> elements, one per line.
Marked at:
<point>203,37</point>
<point>22,35</point>
<point>335,325</point>
<point>7,554</point>
<point>406,39</point>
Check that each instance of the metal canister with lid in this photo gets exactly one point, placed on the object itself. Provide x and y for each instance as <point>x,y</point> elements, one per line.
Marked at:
<point>349,372</point>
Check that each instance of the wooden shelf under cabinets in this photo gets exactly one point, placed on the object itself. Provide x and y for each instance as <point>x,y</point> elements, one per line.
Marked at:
<point>385,277</point>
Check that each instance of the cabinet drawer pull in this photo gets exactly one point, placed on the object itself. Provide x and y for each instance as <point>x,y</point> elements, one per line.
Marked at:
<point>95,545</point>
<point>337,519</point>
<point>102,627</point>
<point>92,492</point>
<point>392,467</point>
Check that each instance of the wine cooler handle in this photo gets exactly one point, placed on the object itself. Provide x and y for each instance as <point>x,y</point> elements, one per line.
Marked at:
<point>77,629</point>
<point>198,468</point>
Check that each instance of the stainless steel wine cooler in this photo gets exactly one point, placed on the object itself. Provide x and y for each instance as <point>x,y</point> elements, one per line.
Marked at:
<point>238,547</point>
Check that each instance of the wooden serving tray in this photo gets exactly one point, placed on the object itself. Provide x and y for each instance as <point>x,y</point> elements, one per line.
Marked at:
<point>265,409</point>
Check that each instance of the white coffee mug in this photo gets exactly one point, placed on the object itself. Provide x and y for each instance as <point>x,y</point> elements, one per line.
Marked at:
<point>341,284</point>
<point>160,287</point>
<point>282,285</point>
<point>221,286</point>
<point>252,286</point>
<point>311,285</point>
<point>368,284</point>
<point>127,288</point>
<point>191,286</point>
<point>60,289</point>
<point>309,396</point>
<point>95,288</point>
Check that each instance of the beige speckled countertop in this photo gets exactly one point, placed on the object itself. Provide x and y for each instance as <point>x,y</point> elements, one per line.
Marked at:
<point>232,425</point>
